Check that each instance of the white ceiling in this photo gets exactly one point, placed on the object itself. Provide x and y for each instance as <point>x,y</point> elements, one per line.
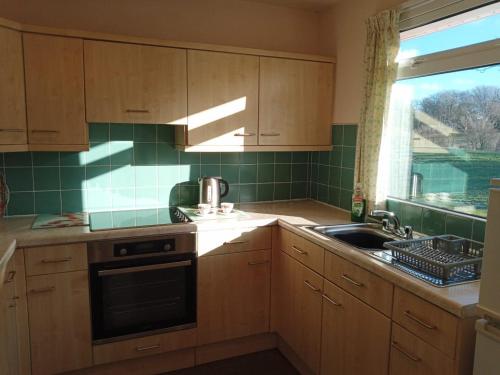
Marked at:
<point>315,5</point>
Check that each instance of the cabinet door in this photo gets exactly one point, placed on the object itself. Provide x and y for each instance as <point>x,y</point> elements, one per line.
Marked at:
<point>55,91</point>
<point>59,318</point>
<point>12,101</point>
<point>14,339</point>
<point>233,295</point>
<point>128,83</point>
<point>355,337</point>
<point>295,102</point>
<point>223,94</point>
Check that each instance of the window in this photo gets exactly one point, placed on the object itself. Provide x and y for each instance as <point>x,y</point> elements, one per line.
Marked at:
<point>441,144</point>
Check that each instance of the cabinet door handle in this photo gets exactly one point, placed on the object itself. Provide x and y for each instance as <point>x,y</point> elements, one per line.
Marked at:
<point>10,277</point>
<point>145,348</point>
<point>46,131</point>
<point>244,134</point>
<point>43,290</point>
<point>312,287</point>
<point>335,303</point>
<point>12,130</point>
<point>137,110</point>
<point>352,281</point>
<point>299,250</point>
<point>409,315</point>
<point>258,262</point>
<point>270,134</point>
<point>57,260</point>
<point>396,346</point>
<point>234,242</point>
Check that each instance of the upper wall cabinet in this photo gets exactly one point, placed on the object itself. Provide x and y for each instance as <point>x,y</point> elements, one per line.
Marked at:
<point>223,91</point>
<point>295,102</point>
<point>130,83</point>
<point>12,101</point>
<point>55,93</point>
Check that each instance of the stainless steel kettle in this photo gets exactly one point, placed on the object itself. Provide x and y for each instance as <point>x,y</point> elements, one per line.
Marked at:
<point>210,191</point>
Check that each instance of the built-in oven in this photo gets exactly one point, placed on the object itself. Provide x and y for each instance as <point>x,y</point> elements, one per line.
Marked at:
<point>142,286</point>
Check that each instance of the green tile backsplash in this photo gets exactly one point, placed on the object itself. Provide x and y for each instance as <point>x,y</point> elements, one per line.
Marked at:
<point>137,166</point>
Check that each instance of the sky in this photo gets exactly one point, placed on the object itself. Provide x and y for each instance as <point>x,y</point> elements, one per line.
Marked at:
<point>458,36</point>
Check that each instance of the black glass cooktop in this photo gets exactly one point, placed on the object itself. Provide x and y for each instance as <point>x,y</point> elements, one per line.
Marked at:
<point>136,218</point>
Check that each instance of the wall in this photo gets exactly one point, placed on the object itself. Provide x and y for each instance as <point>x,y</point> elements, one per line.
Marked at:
<point>229,22</point>
<point>137,166</point>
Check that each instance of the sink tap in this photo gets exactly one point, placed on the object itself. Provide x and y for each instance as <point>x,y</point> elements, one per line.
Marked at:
<point>392,223</point>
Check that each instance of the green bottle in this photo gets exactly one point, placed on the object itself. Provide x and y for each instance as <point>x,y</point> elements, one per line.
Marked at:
<point>358,205</point>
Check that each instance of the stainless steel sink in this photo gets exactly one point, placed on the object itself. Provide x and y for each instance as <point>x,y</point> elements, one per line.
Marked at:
<point>366,236</point>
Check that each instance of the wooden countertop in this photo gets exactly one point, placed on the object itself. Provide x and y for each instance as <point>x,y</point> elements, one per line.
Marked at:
<point>459,300</point>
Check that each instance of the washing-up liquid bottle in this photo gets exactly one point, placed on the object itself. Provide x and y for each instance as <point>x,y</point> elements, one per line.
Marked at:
<point>358,205</point>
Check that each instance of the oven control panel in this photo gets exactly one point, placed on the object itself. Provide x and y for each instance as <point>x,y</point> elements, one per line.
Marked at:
<point>143,247</point>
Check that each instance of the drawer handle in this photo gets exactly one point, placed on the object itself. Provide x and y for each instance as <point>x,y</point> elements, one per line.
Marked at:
<point>234,242</point>
<point>312,287</point>
<point>298,250</point>
<point>10,277</point>
<point>45,131</point>
<point>258,263</point>
<point>334,303</point>
<point>137,110</point>
<point>244,134</point>
<point>396,346</point>
<point>352,281</point>
<point>43,290</point>
<point>12,130</point>
<point>409,315</point>
<point>145,348</point>
<point>270,134</point>
<point>57,260</point>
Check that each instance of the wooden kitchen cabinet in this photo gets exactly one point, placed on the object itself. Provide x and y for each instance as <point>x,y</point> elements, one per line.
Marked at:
<point>233,295</point>
<point>295,102</point>
<point>132,83</point>
<point>355,337</point>
<point>55,93</point>
<point>59,321</point>
<point>12,99</point>
<point>14,335</point>
<point>296,310</point>
<point>223,91</point>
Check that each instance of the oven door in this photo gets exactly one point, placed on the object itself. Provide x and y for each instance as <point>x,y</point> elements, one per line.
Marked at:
<point>134,298</point>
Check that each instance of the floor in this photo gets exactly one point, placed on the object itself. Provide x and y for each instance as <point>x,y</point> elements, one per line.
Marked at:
<point>269,362</point>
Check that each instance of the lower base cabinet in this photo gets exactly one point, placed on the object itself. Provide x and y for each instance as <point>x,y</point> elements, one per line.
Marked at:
<point>59,320</point>
<point>355,337</point>
<point>233,295</point>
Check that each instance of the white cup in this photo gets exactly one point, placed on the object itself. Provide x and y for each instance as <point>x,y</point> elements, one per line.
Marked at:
<point>227,207</point>
<point>204,209</point>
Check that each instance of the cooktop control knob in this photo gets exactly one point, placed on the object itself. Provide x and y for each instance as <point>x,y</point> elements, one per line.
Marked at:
<point>167,247</point>
<point>123,251</point>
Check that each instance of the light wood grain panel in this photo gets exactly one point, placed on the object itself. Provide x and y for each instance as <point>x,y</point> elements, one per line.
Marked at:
<point>295,102</point>
<point>12,99</point>
<point>233,241</point>
<point>355,337</point>
<point>223,91</point>
<point>54,90</point>
<point>57,258</point>
<point>233,295</point>
<point>144,346</point>
<point>425,320</point>
<point>361,283</point>
<point>233,148</point>
<point>303,250</point>
<point>59,319</point>
<point>128,83</point>
<point>412,356</point>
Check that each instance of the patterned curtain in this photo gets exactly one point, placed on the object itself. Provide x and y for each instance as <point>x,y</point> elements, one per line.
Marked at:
<point>382,46</point>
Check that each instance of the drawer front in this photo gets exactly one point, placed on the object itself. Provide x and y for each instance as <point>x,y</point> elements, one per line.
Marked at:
<point>53,259</point>
<point>412,356</point>
<point>361,283</point>
<point>144,346</point>
<point>303,250</point>
<point>429,322</point>
<point>219,242</point>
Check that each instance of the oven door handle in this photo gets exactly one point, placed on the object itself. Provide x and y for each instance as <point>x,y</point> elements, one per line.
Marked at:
<point>152,267</point>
